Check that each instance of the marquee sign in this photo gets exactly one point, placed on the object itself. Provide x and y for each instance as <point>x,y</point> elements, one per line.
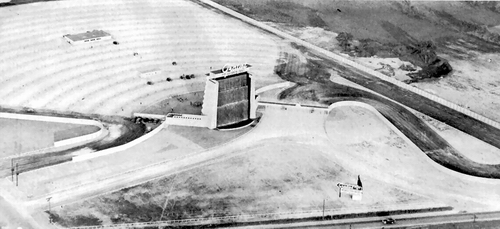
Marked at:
<point>235,69</point>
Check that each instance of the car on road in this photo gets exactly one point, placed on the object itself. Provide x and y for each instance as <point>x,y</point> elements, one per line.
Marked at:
<point>389,221</point>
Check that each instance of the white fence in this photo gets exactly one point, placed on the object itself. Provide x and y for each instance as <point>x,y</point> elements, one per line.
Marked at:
<point>80,139</point>
<point>353,64</point>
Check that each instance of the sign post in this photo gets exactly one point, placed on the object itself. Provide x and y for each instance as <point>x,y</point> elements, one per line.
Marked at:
<point>50,215</point>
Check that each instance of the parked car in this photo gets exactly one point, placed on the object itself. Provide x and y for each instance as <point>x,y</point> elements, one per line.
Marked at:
<point>389,221</point>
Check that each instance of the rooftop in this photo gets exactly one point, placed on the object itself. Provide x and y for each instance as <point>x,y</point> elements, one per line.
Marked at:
<point>88,35</point>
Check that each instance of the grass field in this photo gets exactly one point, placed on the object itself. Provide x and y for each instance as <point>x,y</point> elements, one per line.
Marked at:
<point>20,136</point>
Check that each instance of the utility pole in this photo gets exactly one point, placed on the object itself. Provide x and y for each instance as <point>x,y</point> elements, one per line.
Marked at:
<point>323,209</point>
<point>12,169</point>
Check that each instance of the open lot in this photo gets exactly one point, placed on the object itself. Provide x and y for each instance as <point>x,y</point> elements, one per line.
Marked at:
<point>382,154</point>
<point>276,168</point>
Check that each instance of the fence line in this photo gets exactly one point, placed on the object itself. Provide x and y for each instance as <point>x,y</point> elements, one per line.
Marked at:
<point>344,60</point>
<point>250,217</point>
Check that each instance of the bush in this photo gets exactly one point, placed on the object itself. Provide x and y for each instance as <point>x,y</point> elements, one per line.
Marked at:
<point>150,83</point>
<point>182,77</point>
<point>188,77</point>
<point>169,79</point>
<point>344,39</point>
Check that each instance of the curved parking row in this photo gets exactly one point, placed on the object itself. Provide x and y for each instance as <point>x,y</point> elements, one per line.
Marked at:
<point>44,71</point>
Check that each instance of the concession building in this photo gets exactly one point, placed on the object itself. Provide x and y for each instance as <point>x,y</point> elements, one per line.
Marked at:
<point>87,37</point>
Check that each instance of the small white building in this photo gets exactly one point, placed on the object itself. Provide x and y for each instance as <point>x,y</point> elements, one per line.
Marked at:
<point>89,36</point>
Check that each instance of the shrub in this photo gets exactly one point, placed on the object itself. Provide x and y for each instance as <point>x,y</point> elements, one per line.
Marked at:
<point>344,39</point>
<point>169,79</point>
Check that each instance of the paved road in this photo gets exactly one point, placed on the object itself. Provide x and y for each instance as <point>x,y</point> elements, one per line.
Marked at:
<point>477,220</point>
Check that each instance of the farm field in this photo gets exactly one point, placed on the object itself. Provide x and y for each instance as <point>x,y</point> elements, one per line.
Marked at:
<point>103,78</point>
<point>21,136</point>
<point>473,84</point>
<point>456,30</point>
